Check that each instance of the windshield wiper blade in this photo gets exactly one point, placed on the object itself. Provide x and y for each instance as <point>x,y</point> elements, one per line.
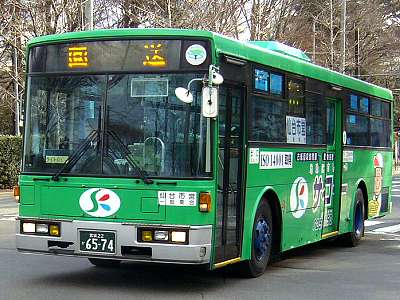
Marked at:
<point>124,149</point>
<point>76,156</point>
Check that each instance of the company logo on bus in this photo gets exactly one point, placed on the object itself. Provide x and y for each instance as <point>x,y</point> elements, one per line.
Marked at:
<point>99,202</point>
<point>298,197</point>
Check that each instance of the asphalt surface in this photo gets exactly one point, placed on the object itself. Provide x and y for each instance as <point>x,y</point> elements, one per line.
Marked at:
<point>320,271</point>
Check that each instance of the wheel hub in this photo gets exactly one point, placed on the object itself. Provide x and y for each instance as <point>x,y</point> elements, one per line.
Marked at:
<point>262,241</point>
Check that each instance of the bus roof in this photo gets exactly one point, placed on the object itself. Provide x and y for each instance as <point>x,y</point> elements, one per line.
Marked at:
<point>223,45</point>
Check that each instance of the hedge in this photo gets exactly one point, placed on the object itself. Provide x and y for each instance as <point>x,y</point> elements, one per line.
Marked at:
<point>10,160</point>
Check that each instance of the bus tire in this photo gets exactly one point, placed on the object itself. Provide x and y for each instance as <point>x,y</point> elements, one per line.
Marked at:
<point>104,263</point>
<point>261,243</point>
<point>353,238</point>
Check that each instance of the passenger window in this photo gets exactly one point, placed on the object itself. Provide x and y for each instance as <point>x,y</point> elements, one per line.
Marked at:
<point>268,82</point>
<point>261,80</point>
<point>357,130</point>
<point>315,112</point>
<point>354,102</point>
<point>296,98</point>
<point>364,105</point>
<point>268,120</point>
<point>276,84</point>
<point>380,109</point>
<point>380,133</point>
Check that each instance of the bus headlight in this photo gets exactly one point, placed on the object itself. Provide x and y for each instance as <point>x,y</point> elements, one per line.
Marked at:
<point>42,228</point>
<point>28,227</point>
<point>178,236</point>
<point>161,235</point>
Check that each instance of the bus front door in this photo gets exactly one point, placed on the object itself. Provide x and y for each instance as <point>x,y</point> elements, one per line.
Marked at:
<point>332,161</point>
<point>230,161</point>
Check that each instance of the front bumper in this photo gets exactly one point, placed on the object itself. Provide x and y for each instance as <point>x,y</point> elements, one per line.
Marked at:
<point>197,251</point>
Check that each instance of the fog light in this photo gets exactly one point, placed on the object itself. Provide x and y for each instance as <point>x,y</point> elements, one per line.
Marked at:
<point>54,230</point>
<point>178,236</point>
<point>42,228</point>
<point>28,227</point>
<point>161,235</point>
<point>147,236</point>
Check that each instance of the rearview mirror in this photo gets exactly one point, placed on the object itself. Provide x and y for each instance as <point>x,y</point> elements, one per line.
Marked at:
<point>184,95</point>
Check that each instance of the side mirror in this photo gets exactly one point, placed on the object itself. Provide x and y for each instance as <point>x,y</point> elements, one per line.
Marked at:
<point>214,78</point>
<point>209,92</point>
<point>209,105</point>
<point>184,95</point>
<point>217,78</point>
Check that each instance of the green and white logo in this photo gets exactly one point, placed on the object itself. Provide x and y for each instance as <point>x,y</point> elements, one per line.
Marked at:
<point>299,197</point>
<point>196,55</point>
<point>99,202</point>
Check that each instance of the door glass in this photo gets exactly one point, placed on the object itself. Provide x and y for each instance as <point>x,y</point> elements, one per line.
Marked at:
<point>234,174</point>
<point>332,161</point>
<point>229,179</point>
<point>221,152</point>
<point>330,123</point>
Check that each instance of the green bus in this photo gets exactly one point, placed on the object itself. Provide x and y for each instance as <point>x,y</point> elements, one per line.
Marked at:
<point>188,147</point>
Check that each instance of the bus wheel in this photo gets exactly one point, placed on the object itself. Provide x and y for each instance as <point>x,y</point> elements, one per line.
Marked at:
<point>104,263</point>
<point>261,243</point>
<point>353,238</point>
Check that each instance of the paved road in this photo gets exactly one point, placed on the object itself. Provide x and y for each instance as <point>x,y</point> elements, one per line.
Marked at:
<point>322,271</point>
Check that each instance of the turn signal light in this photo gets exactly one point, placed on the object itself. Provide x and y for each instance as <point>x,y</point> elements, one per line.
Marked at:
<point>205,202</point>
<point>147,236</point>
<point>54,230</point>
<point>16,193</point>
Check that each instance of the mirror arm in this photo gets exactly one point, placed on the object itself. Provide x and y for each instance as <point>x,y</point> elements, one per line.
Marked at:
<point>193,80</point>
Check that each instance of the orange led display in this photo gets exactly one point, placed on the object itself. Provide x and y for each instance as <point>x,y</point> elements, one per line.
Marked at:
<point>78,57</point>
<point>154,56</point>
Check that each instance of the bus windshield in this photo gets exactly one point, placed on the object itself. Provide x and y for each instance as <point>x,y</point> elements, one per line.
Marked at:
<point>132,117</point>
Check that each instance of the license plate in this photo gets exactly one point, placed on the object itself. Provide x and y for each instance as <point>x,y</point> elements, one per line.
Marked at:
<point>97,241</point>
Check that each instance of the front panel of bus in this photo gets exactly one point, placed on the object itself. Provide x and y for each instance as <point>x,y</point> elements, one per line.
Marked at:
<point>115,165</point>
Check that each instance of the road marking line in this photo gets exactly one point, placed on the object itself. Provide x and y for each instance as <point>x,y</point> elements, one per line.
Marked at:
<point>380,233</point>
<point>389,229</point>
<point>372,223</point>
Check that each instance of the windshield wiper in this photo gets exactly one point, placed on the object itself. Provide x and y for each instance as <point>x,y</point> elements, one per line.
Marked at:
<point>76,155</point>
<point>125,151</point>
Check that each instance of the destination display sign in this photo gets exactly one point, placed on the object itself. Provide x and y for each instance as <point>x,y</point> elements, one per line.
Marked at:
<point>120,56</point>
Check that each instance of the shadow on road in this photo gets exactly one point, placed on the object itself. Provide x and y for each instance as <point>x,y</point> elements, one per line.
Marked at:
<point>173,278</point>
<point>166,279</point>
